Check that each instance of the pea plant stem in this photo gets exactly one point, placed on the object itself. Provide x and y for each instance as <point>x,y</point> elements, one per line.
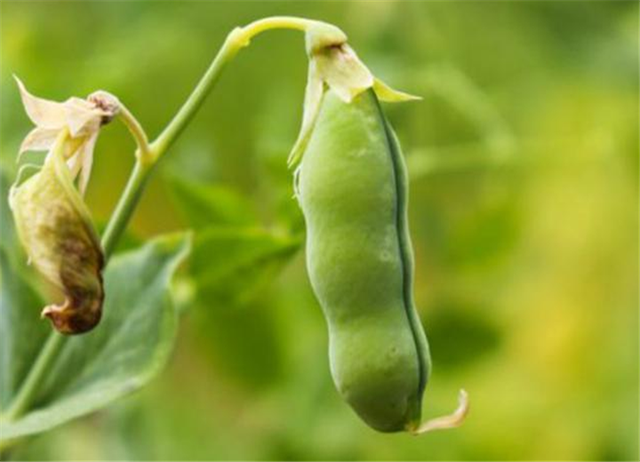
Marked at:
<point>239,38</point>
<point>40,368</point>
<point>137,132</point>
<point>125,207</point>
<point>147,156</point>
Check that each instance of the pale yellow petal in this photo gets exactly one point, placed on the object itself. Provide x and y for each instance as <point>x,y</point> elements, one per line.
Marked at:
<point>343,72</point>
<point>74,164</point>
<point>85,157</point>
<point>42,112</point>
<point>312,101</point>
<point>39,139</point>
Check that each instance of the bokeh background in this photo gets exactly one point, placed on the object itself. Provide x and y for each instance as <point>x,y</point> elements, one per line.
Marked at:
<point>523,158</point>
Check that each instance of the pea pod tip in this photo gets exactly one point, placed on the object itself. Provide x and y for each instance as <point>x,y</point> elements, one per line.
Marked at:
<point>453,420</point>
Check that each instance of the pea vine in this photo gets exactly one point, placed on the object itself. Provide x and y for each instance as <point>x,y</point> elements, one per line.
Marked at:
<point>333,65</point>
<point>148,154</point>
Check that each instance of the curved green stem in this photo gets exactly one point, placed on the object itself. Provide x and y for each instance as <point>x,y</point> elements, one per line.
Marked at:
<point>239,38</point>
<point>146,160</point>
<point>137,132</point>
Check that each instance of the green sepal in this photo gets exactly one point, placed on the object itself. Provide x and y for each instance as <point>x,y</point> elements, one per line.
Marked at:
<point>390,95</point>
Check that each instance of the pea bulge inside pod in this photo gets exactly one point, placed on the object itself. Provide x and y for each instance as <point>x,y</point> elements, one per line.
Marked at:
<point>352,189</point>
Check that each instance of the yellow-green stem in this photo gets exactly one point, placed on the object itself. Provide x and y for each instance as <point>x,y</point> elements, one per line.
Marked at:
<point>239,38</point>
<point>137,132</point>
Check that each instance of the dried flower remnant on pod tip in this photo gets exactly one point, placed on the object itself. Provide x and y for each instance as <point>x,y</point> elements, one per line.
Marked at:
<point>334,65</point>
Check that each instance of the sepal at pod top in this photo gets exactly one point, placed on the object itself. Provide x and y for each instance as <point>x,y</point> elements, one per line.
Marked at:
<point>55,228</point>
<point>335,66</point>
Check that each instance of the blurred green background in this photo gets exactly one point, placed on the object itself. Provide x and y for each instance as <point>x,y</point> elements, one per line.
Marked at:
<point>523,157</point>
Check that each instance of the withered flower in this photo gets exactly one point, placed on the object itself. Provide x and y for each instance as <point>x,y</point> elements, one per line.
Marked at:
<point>52,221</point>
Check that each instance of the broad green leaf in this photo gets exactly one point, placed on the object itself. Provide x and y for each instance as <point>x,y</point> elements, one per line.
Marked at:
<point>205,205</point>
<point>231,264</point>
<point>130,346</point>
<point>22,332</point>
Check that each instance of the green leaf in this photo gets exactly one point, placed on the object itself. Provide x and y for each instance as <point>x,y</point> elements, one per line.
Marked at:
<point>204,205</point>
<point>232,264</point>
<point>22,332</point>
<point>130,346</point>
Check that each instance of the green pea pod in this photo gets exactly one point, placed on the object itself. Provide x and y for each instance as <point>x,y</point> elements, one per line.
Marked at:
<point>352,188</point>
